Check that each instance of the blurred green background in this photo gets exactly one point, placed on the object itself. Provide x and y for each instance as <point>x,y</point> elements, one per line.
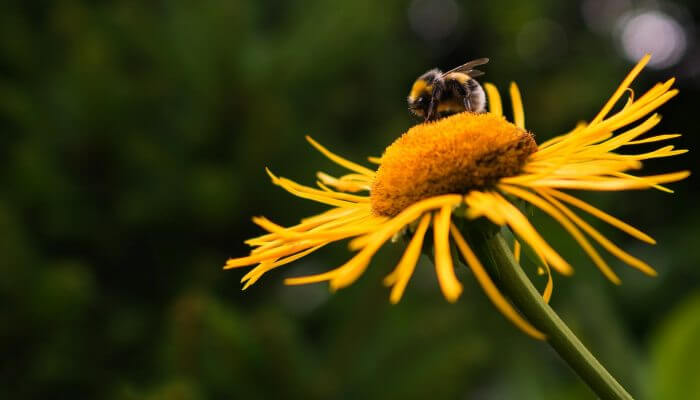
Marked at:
<point>133,140</point>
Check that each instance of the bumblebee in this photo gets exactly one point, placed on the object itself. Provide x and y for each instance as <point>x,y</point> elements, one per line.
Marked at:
<point>436,94</point>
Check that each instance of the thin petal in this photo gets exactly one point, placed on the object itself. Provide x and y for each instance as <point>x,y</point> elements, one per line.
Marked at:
<point>623,138</point>
<point>451,288</point>
<point>652,139</point>
<point>311,222</point>
<point>630,117</point>
<point>494,99</point>
<point>577,129</point>
<point>288,183</point>
<point>350,271</point>
<point>363,226</point>
<point>623,226</point>
<point>602,240</point>
<point>340,160</point>
<point>566,224</point>
<point>319,229</point>
<point>322,197</point>
<point>621,89</point>
<point>407,216</point>
<point>518,112</point>
<point>342,185</point>
<point>644,180</point>
<point>256,273</point>
<point>272,254</point>
<point>404,270</point>
<point>549,287</point>
<point>612,184</point>
<point>500,211</point>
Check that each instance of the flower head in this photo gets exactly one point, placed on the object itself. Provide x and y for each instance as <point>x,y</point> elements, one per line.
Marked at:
<point>454,155</point>
<point>477,163</point>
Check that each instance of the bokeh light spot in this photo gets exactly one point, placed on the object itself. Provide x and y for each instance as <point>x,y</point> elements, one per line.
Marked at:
<point>433,20</point>
<point>655,32</point>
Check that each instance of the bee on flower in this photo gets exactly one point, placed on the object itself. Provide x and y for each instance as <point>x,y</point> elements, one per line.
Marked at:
<point>447,173</point>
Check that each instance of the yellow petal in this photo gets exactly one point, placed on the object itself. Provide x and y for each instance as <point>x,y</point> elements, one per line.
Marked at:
<point>340,160</point>
<point>621,89</point>
<point>566,224</point>
<point>602,215</point>
<point>602,240</point>
<point>451,288</point>
<point>518,111</point>
<point>522,227</point>
<point>404,270</point>
<point>256,273</point>
<point>494,99</point>
<point>407,216</point>
<point>490,288</point>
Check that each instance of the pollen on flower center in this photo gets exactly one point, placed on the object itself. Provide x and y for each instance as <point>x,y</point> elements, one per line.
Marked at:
<point>456,154</point>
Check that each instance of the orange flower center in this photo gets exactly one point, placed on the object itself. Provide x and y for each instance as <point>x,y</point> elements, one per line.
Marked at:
<point>456,154</point>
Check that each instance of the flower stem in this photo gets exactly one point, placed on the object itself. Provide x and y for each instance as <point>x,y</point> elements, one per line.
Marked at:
<point>496,255</point>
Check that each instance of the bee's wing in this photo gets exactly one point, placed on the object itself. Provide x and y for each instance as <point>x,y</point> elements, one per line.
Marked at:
<point>468,67</point>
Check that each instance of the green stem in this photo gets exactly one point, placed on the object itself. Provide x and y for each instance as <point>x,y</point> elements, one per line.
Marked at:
<point>495,253</point>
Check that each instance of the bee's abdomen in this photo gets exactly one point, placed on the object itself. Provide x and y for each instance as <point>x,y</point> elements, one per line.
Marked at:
<point>477,97</point>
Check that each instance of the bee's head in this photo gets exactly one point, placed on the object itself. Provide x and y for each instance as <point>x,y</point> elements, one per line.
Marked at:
<point>421,93</point>
<point>418,106</point>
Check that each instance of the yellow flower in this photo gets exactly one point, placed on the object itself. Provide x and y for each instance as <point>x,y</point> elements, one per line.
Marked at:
<point>476,164</point>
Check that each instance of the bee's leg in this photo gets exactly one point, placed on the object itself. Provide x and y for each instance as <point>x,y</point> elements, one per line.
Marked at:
<point>431,109</point>
<point>434,100</point>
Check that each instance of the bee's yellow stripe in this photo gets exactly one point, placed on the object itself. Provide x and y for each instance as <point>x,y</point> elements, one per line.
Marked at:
<point>450,106</point>
<point>419,86</point>
<point>459,77</point>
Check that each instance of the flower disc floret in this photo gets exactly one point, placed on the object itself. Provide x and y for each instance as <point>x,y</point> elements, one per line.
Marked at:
<point>453,155</point>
